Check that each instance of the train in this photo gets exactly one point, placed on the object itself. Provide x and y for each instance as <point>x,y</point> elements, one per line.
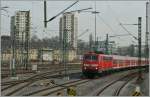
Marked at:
<point>98,63</point>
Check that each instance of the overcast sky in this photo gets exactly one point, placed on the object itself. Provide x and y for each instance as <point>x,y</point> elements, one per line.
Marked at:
<point>111,14</point>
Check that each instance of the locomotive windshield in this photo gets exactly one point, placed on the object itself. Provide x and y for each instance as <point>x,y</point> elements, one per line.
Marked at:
<point>91,57</point>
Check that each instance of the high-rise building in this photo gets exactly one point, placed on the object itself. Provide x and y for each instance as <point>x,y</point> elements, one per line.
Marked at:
<point>68,29</point>
<point>20,26</point>
<point>20,35</point>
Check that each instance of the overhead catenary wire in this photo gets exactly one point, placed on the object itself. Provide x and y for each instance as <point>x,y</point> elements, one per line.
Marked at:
<point>62,11</point>
<point>128,32</point>
<point>117,19</point>
<point>83,33</point>
<point>100,18</point>
<point>107,24</point>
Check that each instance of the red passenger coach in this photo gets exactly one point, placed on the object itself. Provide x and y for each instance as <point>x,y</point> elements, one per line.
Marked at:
<point>94,63</point>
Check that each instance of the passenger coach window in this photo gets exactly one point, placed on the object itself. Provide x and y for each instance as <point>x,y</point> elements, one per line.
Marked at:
<point>115,62</point>
<point>107,58</point>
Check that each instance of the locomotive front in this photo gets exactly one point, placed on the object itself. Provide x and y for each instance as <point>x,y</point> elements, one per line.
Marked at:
<point>90,64</point>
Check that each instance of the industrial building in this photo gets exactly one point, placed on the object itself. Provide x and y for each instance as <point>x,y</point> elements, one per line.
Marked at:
<point>68,29</point>
<point>39,55</point>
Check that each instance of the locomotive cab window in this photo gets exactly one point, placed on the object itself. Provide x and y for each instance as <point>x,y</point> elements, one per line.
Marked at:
<point>91,57</point>
<point>87,57</point>
<point>94,57</point>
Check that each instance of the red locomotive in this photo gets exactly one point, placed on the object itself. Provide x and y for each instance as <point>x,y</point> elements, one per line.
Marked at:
<point>94,63</point>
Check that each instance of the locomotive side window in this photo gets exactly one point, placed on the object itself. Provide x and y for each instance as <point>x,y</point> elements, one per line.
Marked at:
<point>120,61</point>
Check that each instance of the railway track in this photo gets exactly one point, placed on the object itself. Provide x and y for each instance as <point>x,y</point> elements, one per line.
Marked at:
<point>122,86</point>
<point>30,78</point>
<point>57,88</point>
<point>126,78</point>
<point>41,66</point>
<point>33,77</point>
<point>53,90</point>
<point>25,83</point>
